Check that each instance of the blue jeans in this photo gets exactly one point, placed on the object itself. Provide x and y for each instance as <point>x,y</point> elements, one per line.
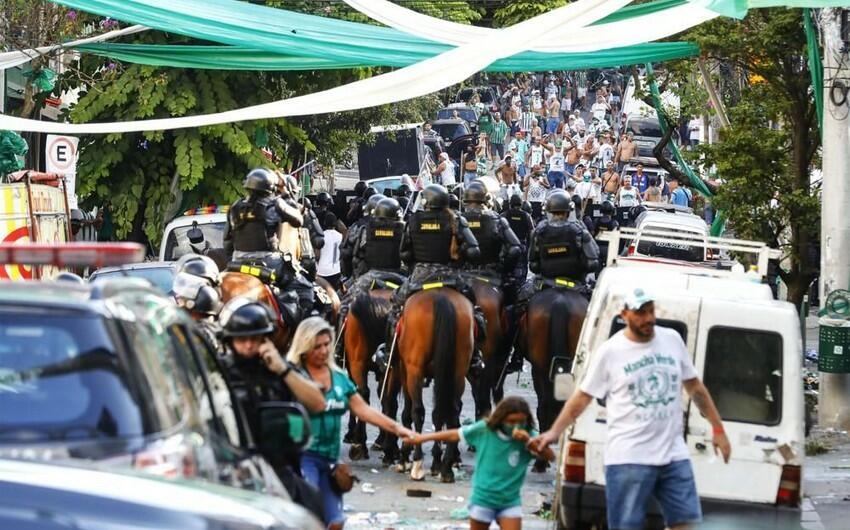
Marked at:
<point>552,125</point>
<point>628,488</point>
<point>317,472</point>
<point>557,179</point>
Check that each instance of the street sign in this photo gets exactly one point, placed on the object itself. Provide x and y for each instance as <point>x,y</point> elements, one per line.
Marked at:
<point>61,156</point>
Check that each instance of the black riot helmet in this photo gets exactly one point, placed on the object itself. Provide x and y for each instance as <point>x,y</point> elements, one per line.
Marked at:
<point>260,181</point>
<point>248,320</point>
<point>196,295</point>
<point>526,207</point>
<point>515,201</point>
<point>359,188</point>
<point>308,204</point>
<point>475,193</point>
<point>607,208</point>
<point>559,202</point>
<point>371,203</point>
<point>403,190</point>
<point>200,266</point>
<point>387,208</point>
<point>323,199</point>
<point>368,192</point>
<point>435,197</point>
<point>454,202</point>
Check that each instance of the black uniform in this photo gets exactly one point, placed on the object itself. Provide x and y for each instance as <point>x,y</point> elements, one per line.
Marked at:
<point>347,247</point>
<point>600,225</point>
<point>252,385</point>
<point>499,245</point>
<point>522,225</point>
<point>378,246</point>
<point>562,249</point>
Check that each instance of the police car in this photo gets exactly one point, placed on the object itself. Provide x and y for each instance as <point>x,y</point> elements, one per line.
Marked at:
<point>114,372</point>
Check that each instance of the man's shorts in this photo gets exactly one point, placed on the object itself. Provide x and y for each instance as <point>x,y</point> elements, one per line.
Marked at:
<point>628,488</point>
<point>557,179</point>
<point>488,515</point>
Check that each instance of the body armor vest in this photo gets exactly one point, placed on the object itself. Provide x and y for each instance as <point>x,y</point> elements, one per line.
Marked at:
<point>484,227</point>
<point>383,244</point>
<point>252,229</point>
<point>517,221</point>
<point>431,237</point>
<point>560,253</point>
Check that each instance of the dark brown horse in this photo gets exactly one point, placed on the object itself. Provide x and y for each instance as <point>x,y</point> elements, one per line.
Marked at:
<point>494,350</point>
<point>363,330</point>
<point>435,340</point>
<point>548,334</point>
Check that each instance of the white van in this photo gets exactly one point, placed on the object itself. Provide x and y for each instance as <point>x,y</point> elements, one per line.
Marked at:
<point>664,234</point>
<point>179,236</point>
<point>747,350</point>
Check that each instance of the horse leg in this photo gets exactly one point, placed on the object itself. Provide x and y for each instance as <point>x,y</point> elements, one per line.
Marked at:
<point>544,416</point>
<point>358,449</point>
<point>436,449</point>
<point>418,415</point>
<point>407,421</point>
<point>389,405</point>
<point>452,455</point>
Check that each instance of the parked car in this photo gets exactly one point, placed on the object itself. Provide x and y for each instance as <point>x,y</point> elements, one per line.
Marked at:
<point>452,129</point>
<point>159,273</point>
<point>486,94</point>
<point>747,350</point>
<point>47,496</point>
<point>464,111</point>
<point>114,372</point>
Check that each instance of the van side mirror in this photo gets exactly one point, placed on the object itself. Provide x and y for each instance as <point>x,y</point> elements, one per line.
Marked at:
<point>195,234</point>
<point>284,426</point>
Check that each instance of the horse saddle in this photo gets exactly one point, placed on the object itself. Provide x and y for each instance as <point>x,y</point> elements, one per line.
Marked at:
<point>257,269</point>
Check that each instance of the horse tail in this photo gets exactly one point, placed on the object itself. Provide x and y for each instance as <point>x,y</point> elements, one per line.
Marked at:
<point>443,354</point>
<point>559,317</point>
<point>372,314</point>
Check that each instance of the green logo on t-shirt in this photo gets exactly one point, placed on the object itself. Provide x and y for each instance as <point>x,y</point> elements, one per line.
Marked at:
<point>654,384</point>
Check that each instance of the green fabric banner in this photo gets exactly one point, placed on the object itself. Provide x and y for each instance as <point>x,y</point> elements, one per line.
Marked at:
<point>241,58</point>
<point>738,8</point>
<point>815,64</point>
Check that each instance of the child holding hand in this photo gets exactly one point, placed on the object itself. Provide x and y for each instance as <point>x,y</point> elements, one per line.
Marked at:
<point>501,462</point>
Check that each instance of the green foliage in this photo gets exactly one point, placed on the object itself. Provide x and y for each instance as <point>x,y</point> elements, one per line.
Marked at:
<point>514,12</point>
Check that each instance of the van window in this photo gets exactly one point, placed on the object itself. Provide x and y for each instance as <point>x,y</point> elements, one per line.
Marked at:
<point>644,127</point>
<point>679,327</point>
<point>743,373</point>
<point>671,249</point>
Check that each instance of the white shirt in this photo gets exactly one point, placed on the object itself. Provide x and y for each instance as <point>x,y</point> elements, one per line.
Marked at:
<point>556,161</point>
<point>329,255</point>
<point>598,110</point>
<point>627,198</point>
<point>447,176</point>
<point>536,155</point>
<point>642,385</point>
<point>606,153</point>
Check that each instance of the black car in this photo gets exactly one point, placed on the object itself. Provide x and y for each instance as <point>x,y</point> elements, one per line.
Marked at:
<point>451,129</point>
<point>465,112</point>
<point>114,372</point>
<point>42,496</point>
<point>486,94</point>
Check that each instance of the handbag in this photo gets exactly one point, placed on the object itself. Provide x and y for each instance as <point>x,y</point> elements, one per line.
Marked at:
<point>342,480</point>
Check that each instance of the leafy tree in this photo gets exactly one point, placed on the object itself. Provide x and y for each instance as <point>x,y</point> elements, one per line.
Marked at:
<point>513,12</point>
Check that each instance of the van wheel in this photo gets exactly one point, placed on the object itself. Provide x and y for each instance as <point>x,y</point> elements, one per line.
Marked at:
<point>561,522</point>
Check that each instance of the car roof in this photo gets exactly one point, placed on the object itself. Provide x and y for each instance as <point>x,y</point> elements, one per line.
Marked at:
<point>205,218</point>
<point>678,219</point>
<point>455,121</point>
<point>127,499</point>
<point>137,266</point>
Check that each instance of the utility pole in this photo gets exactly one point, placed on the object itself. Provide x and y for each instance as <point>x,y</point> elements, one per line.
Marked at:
<point>834,406</point>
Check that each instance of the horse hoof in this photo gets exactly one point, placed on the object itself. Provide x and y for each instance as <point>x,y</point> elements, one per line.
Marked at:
<point>417,472</point>
<point>447,479</point>
<point>539,467</point>
<point>376,447</point>
<point>348,438</point>
<point>358,452</point>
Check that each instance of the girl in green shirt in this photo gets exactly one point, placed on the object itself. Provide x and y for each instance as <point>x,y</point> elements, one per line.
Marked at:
<point>501,462</point>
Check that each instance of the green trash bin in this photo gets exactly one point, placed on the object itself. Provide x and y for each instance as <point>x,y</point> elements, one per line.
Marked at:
<point>834,345</point>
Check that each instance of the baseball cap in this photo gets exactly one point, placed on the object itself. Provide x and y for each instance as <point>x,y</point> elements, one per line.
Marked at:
<point>637,298</point>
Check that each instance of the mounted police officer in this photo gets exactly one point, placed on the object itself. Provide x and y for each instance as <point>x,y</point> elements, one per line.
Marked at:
<point>436,241</point>
<point>355,207</point>
<point>322,206</point>
<point>499,245</point>
<point>378,245</point>
<point>522,225</point>
<point>251,235</point>
<point>258,374</point>
<point>347,248</point>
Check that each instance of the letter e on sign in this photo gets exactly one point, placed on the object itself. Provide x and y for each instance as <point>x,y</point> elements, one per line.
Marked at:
<point>61,154</point>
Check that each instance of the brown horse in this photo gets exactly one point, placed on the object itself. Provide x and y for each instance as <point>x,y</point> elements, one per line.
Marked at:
<point>235,284</point>
<point>363,330</point>
<point>435,340</point>
<point>548,335</point>
<point>494,350</point>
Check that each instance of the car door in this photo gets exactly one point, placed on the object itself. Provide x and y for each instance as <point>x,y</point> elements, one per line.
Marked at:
<point>744,363</point>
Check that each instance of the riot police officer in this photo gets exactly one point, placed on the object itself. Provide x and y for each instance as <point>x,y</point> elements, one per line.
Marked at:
<point>606,222</point>
<point>378,246</point>
<point>201,266</point>
<point>251,234</point>
<point>436,241</point>
<point>202,301</point>
<point>257,373</point>
<point>522,225</point>
<point>347,248</point>
<point>499,246</point>
<point>355,208</point>
<point>322,205</point>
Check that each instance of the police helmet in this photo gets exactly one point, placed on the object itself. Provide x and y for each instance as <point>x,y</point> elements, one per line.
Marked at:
<point>247,320</point>
<point>70,277</point>
<point>359,188</point>
<point>476,192</point>
<point>368,192</point>
<point>308,204</point>
<point>435,197</point>
<point>403,190</point>
<point>195,294</point>
<point>323,199</point>
<point>515,201</point>
<point>559,202</point>
<point>387,208</point>
<point>371,203</point>
<point>260,180</point>
<point>526,207</point>
<point>200,266</point>
<point>607,208</point>
<point>454,202</point>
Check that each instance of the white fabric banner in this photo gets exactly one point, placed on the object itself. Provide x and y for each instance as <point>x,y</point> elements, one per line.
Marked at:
<point>645,28</point>
<point>413,81</point>
<point>15,58</point>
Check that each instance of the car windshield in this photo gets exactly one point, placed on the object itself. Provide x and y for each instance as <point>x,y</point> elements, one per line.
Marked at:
<point>450,131</point>
<point>672,249</point>
<point>644,127</point>
<point>161,277</point>
<point>61,380</point>
<point>466,114</point>
<point>178,243</point>
<point>381,185</point>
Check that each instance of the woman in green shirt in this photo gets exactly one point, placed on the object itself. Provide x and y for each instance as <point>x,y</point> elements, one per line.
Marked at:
<point>310,351</point>
<point>501,462</point>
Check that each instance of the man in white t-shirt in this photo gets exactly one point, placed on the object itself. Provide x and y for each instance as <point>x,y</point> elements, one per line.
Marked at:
<point>640,373</point>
